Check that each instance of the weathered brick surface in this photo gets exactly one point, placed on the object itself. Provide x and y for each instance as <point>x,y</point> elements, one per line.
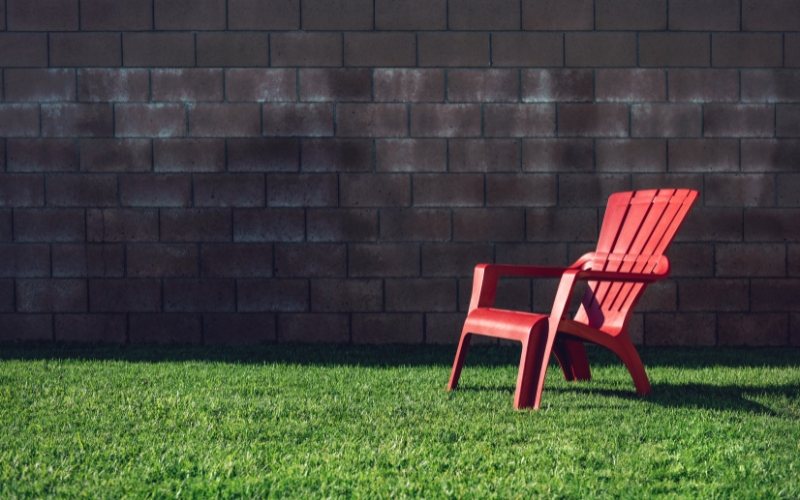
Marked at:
<point>698,85</point>
<point>635,85</point>
<point>263,15</point>
<point>487,155</point>
<point>267,225</point>
<point>74,260</point>
<point>557,14</point>
<point>188,155</point>
<point>118,85</point>
<point>199,295</point>
<point>342,224</point>
<point>238,329</point>
<point>272,295</point>
<point>162,261</point>
<point>165,328</point>
<point>158,49</point>
<point>263,155</point>
<point>39,85</point>
<point>105,328</point>
<point>409,85</point>
<point>260,85</point>
<point>121,225</point>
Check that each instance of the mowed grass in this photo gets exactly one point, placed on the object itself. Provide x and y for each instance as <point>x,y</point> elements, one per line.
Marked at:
<point>294,421</point>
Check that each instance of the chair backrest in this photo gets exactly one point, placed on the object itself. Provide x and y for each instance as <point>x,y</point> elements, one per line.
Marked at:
<point>637,229</point>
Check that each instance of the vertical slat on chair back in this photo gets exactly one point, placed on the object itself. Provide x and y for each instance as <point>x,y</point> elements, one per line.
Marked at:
<point>637,229</point>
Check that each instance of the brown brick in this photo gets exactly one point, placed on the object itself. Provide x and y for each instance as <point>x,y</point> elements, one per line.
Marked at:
<point>335,85</point>
<point>121,225</point>
<point>162,261</point>
<point>341,224</point>
<point>187,84</point>
<point>21,190</point>
<point>548,15</point>
<point>704,15</point>
<point>42,155</point>
<point>189,155</point>
<point>238,260</point>
<point>85,49</point>
<point>81,190</point>
<point>302,190</point>
<point>703,85</point>
<point>753,329</point>
<point>703,155</point>
<point>589,190</point>
<point>448,190</point>
<point>737,190</point>
<point>23,50</point>
<point>631,15</point>
<point>310,261</point>
<point>383,261</point>
<point>632,155</point>
<point>19,120</point>
<point>25,261</point>
<point>520,120</point>
<point>411,155</point>
<point>480,15</point>
<point>445,328</point>
<point>413,15</point>
<point>557,155</point>
<point>328,328</point>
<point>659,297</point>
<point>409,85</point>
<point>787,120</point>
<point>453,49</point>
<point>769,155</point>
<point>793,260</point>
<point>794,330</point>
<point>83,120</point>
<point>791,50</point>
<point>272,295</point>
<point>105,328</point>
<point>691,260</point>
<point>260,85</point>
<point>738,50</point>
<point>266,225</point>
<point>387,328</point>
<point>39,85</point>
<point>224,120</point>
<point>292,120</point>
<point>445,120</point>
<point>6,221</point>
<point>372,120</point>
<point>415,225</point>
<point>670,329</point>
<point>158,49</point>
<point>712,224</point>
<point>448,259</point>
<point>47,225</point>
<point>195,225</point>
<point>675,49</point>
<point>232,49</point>
<point>116,155</point>
<point>337,15</point>
<point>229,190</point>
<point>263,155</point>
<point>600,49</point>
<point>49,295</point>
<point>773,15</point>
<point>484,155</point>
<point>422,295</point>
<point>488,224</point>
<point>714,295</point>
<point>767,295</point>
<point>630,85</point>
<point>788,186</point>
<point>380,49</point>
<point>666,120</point>
<point>165,329</point>
<point>263,15</point>
<point>749,260</point>
<point>772,225</point>
<point>26,327</point>
<point>667,181</point>
<point>336,155</point>
<point>306,49</point>
<point>92,261</point>
<point>150,120</point>
<point>111,15</point>
<point>492,85</point>
<point>770,86</point>
<point>238,329</point>
<point>198,295</point>
<point>374,190</point>
<point>165,190</point>
<point>350,295</point>
<point>527,49</point>
<point>42,15</point>
<point>743,120</point>
<point>197,15</point>
<point>598,120</point>
<point>520,190</point>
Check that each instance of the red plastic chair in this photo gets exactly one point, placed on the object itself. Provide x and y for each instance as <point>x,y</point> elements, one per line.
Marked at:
<point>637,229</point>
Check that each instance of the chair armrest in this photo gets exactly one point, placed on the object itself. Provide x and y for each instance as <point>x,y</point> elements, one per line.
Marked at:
<point>660,271</point>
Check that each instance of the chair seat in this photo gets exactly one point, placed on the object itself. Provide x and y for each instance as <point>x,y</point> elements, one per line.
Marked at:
<point>502,323</point>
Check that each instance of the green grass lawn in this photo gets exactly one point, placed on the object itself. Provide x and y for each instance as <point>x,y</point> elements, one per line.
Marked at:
<point>373,422</point>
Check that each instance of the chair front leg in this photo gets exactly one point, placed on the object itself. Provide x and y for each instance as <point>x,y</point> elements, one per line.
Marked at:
<point>461,355</point>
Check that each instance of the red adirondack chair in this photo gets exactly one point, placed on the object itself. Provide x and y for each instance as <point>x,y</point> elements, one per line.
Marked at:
<point>637,229</point>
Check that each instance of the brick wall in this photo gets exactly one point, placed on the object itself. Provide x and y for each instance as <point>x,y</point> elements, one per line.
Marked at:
<point>225,171</point>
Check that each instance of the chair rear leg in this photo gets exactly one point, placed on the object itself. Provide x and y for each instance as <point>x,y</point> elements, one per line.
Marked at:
<point>461,355</point>
<point>627,353</point>
<point>572,357</point>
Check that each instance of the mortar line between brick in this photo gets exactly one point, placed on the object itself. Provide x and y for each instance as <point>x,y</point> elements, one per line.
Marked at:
<point>740,15</point>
